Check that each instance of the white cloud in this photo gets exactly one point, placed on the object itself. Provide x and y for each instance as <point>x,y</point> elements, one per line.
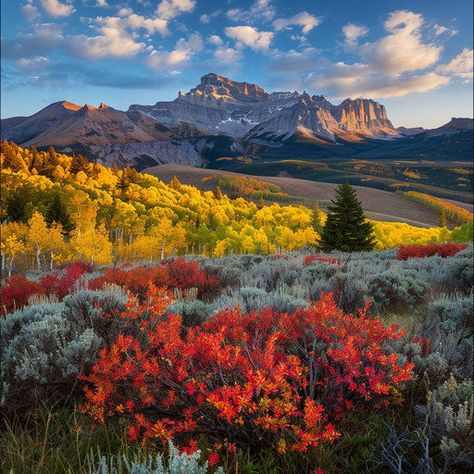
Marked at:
<point>461,66</point>
<point>207,17</point>
<point>403,48</point>
<point>357,80</point>
<point>182,52</point>
<point>227,56</point>
<point>389,67</point>
<point>33,62</point>
<point>352,33</point>
<point>249,36</point>
<point>57,9</point>
<point>30,12</point>
<point>117,36</point>
<point>261,10</point>
<point>102,3</point>
<point>169,9</point>
<point>304,19</point>
<point>440,30</point>
<point>215,40</point>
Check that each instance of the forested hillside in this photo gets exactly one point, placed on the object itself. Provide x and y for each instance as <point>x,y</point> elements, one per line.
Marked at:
<point>56,209</point>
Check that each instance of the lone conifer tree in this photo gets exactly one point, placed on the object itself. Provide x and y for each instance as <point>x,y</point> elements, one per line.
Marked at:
<point>57,212</point>
<point>346,227</point>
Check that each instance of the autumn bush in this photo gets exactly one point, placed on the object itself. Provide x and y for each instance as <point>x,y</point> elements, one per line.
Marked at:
<point>447,249</point>
<point>261,379</point>
<point>17,290</point>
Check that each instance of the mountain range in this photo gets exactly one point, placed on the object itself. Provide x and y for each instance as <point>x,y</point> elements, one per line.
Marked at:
<point>224,117</point>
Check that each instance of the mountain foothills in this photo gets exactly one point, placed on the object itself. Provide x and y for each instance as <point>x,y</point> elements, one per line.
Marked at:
<point>221,117</point>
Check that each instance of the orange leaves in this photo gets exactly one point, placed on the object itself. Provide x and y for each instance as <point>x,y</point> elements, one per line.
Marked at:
<point>265,377</point>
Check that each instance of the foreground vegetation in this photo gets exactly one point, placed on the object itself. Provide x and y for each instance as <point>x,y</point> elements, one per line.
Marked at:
<point>272,363</point>
<point>56,209</point>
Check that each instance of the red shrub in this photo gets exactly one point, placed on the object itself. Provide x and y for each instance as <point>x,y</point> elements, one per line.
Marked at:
<point>266,378</point>
<point>309,259</point>
<point>53,284</point>
<point>448,249</point>
<point>137,280</point>
<point>15,292</point>
<point>183,274</point>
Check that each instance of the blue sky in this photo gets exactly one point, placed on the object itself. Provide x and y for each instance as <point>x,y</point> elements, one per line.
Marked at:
<point>413,56</point>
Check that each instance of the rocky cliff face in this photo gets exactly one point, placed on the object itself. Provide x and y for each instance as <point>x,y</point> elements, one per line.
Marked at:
<point>178,131</point>
<point>219,105</point>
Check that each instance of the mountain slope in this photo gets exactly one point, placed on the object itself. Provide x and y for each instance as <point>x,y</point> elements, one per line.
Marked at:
<point>221,117</point>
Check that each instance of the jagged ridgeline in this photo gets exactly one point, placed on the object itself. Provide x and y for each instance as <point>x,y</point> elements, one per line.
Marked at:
<point>221,117</point>
<point>56,208</point>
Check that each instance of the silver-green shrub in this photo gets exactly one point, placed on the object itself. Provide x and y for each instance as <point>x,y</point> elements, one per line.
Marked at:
<point>173,463</point>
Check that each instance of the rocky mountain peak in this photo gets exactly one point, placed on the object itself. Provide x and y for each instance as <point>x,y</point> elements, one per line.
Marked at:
<point>220,87</point>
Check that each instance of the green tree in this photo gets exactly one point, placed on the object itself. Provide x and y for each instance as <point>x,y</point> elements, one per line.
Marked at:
<point>57,212</point>
<point>346,227</point>
<point>19,208</point>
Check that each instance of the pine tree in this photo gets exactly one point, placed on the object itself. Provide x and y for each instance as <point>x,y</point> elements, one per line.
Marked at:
<point>316,218</point>
<point>57,212</point>
<point>346,227</point>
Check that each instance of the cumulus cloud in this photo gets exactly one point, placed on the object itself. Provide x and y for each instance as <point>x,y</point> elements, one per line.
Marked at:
<point>102,3</point>
<point>461,66</point>
<point>356,80</point>
<point>403,49</point>
<point>352,33</point>
<point>391,66</point>
<point>249,36</point>
<point>117,36</point>
<point>55,8</point>
<point>182,52</point>
<point>215,40</point>
<point>30,12</point>
<point>261,10</point>
<point>304,19</point>
<point>169,9</point>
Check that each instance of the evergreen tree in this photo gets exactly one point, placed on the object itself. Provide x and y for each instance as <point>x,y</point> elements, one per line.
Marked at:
<point>57,212</point>
<point>346,227</point>
<point>316,218</point>
<point>19,207</point>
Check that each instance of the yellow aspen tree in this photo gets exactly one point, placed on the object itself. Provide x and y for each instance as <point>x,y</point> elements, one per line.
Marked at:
<point>38,237</point>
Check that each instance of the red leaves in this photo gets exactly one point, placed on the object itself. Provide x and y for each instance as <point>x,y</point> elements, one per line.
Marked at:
<point>448,249</point>
<point>183,274</point>
<point>175,274</point>
<point>266,377</point>
<point>17,290</point>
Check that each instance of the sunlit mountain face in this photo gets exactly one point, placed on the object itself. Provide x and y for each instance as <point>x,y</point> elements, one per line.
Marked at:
<point>414,57</point>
